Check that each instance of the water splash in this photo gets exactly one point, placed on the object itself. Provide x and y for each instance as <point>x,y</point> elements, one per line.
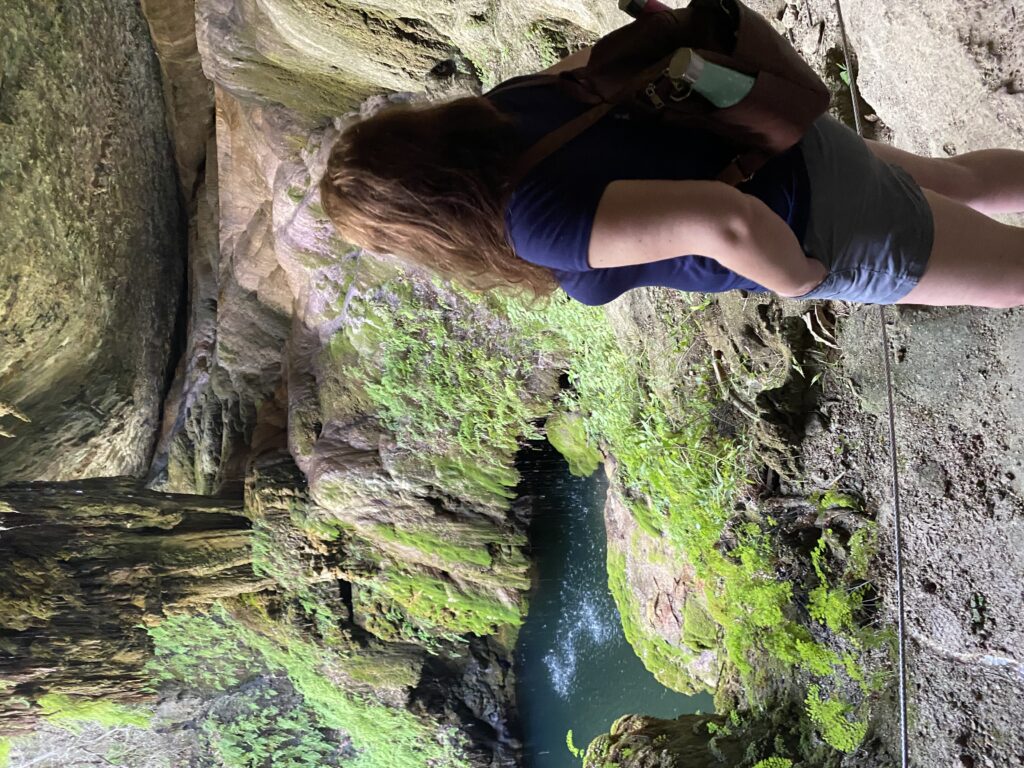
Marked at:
<point>584,633</point>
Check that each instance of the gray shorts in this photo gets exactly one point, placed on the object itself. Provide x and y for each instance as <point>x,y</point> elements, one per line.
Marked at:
<point>869,222</point>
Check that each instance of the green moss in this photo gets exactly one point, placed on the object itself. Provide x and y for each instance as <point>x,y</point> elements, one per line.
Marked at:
<point>74,713</point>
<point>833,721</point>
<point>680,480</point>
<point>439,603</point>
<point>196,649</point>
<point>485,483</point>
<point>5,752</point>
<point>700,631</point>
<point>835,607</point>
<point>568,434</point>
<point>454,383</point>
<point>775,762</point>
<point>382,670</point>
<point>432,544</point>
<point>326,529</point>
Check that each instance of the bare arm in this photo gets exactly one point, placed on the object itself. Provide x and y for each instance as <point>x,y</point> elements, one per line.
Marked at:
<point>640,221</point>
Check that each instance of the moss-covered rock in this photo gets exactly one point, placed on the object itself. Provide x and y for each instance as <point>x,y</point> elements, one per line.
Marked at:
<point>567,433</point>
<point>661,602</point>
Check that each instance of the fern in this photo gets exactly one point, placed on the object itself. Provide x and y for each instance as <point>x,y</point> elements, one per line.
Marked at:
<point>833,721</point>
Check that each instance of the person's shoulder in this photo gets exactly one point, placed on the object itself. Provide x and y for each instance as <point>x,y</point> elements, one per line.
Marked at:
<point>550,215</point>
<point>519,82</point>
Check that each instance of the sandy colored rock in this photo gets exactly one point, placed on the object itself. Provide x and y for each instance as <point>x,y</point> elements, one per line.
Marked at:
<point>188,95</point>
<point>323,59</point>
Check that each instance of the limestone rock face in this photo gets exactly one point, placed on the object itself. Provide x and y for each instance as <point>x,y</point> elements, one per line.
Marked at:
<point>92,255</point>
<point>188,95</point>
<point>944,76</point>
<point>241,297</point>
<point>666,601</point>
<point>323,58</point>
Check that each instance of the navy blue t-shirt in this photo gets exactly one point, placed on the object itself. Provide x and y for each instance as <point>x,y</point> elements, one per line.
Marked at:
<point>551,212</point>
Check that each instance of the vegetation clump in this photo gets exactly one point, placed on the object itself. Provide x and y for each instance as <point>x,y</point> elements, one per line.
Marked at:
<point>453,383</point>
<point>238,648</point>
<point>262,727</point>
<point>567,432</point>
<point>436,602</point>
<point>833,718</point>
<point>775,762</point>
<point>72,713</point>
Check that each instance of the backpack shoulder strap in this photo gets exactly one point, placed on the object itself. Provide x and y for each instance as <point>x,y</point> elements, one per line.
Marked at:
<point>550,142</point>
<point>570,83</point>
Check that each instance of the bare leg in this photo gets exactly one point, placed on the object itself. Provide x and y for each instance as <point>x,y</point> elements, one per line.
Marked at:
<point>988,180</point>
<point>975,260</point>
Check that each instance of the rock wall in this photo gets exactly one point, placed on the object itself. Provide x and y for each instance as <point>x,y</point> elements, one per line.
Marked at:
<point>92,257</point>
<point>944,76</point>
<point>273,361</point>
<point>661,601</point>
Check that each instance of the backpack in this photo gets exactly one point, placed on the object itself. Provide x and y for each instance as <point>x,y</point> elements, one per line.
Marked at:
<point>628,68</point>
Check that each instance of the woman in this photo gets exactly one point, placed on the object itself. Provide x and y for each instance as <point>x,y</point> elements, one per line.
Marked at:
<point>631,204</point>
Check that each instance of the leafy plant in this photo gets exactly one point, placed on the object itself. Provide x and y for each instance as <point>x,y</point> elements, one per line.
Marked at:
<point>255,730</point>
<point>832,719</point>
<point>204,651</point>
<point>833,607</point>
<point>833,499</point>
<point>573,749</point>
<point>861,548</point>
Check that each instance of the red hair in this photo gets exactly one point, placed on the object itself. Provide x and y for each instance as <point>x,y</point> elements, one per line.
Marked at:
<point>429,184</point>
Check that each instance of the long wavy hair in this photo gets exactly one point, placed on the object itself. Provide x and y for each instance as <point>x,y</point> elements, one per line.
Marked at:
<point>428,184</point>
